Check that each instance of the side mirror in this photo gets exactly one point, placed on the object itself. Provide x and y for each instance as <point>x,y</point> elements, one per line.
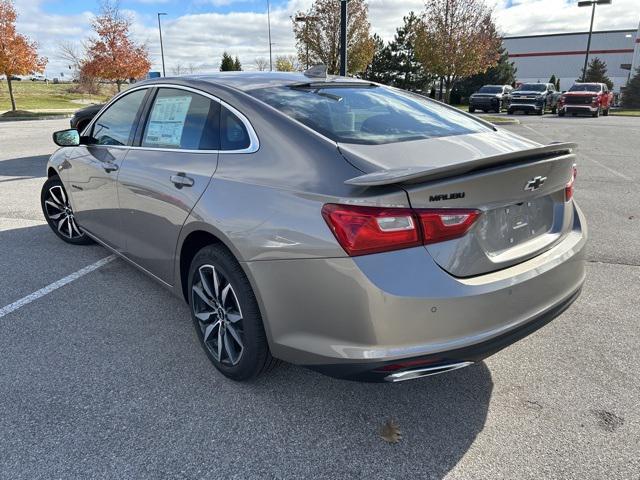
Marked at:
<point>67,138</point>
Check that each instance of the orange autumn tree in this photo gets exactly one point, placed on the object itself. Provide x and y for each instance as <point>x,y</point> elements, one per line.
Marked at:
<point>456,39</point>
<point>113,55</point>
<point>18,54</point>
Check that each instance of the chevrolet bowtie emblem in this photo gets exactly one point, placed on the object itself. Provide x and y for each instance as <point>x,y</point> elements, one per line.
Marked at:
<point>535,183</point>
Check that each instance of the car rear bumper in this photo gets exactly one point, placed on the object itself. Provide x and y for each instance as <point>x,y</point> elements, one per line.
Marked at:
<point>578,108</point>
<point>352,317</point>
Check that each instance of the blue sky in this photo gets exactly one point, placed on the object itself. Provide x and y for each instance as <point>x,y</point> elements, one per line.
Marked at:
<point>196,32</point>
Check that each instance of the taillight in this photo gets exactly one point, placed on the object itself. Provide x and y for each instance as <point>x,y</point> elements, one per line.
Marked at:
<point>568,189</point>
<point>441,225</point>
<point>363,230</point>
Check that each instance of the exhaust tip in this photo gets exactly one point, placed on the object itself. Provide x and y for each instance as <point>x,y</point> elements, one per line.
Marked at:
<point>425,372</point>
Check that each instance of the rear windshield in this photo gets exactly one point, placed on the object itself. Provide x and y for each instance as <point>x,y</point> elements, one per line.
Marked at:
<point>585,88</point>
<point>532,87</point>
<point>490,90</point>
<point>367,114</point>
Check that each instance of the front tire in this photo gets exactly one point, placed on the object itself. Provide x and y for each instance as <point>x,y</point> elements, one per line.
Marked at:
<point>226,315</point>
<point>596,114</point>
<point>471,109</point>
<point>59,214</point>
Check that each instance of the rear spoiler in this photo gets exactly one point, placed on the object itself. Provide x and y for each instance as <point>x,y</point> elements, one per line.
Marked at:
<point>426,173</point>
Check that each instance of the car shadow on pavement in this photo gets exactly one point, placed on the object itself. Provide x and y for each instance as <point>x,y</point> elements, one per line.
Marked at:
<point>439,418</point>
<point>34,166</point>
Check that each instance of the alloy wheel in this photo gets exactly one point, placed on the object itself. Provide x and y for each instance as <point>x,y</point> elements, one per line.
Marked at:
<point>60,213</point>
<point>217,309</point>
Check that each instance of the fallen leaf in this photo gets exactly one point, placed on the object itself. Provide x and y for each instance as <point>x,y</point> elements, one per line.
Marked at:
<point>390,432</point>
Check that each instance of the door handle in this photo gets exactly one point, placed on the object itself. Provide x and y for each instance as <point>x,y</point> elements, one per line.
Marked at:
<point>181,180</point>
<point>109,167</point>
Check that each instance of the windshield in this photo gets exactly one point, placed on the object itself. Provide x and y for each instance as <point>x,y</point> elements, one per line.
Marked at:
<point>490,90</point>
<point>367,114</point>
<point>532,87</point>
<point>585,87</point>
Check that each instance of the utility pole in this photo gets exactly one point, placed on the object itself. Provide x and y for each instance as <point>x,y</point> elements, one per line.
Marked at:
<point>592,4</point>
<point>161,48</point>
<point>343,37</point>
<point>270,44</point>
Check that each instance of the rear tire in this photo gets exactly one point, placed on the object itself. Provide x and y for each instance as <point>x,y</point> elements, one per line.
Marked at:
<point>471,109</point>
<point>59,214</point>
<point>226,315</point>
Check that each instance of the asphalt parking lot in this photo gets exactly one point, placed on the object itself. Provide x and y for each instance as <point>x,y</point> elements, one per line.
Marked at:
<point>104,377</point>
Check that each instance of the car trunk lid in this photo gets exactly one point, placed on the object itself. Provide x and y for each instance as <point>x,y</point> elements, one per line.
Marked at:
<point>518,185</point>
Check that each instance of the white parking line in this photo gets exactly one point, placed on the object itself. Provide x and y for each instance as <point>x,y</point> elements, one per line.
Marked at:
<point>12,307</point>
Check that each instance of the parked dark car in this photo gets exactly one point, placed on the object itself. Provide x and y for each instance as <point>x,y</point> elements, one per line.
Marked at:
<point>82,117</point>
<point>534,97</point>
<point>490,97</point>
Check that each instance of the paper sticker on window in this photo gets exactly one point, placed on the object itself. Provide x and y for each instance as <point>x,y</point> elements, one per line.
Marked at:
<point>167,121</point>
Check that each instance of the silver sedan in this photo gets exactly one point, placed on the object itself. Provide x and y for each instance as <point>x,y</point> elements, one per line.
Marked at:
<point>363,231</point>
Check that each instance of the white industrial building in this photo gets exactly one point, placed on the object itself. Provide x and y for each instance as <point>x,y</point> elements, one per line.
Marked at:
<point>537,57</point>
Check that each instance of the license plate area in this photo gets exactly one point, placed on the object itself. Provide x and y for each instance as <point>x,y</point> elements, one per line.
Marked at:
<point>507,227</point>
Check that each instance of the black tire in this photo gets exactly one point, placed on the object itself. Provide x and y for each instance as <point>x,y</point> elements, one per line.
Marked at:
<point>561,113</point>
<point>509,111</point>
<point>541,112</point>
<point>253,357</point>
<point>58,213</point>
<point>484,110</point>
<point>574,114</point>
<point>554,110</point>
<point>596,114</point>
<point>498,108</point>
<point>605,113</point>
<point>471,109</point>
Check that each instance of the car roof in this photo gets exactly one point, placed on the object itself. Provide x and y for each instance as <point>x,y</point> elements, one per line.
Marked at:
<point>254,80</point>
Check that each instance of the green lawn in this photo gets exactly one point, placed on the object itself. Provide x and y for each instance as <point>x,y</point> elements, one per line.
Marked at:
<point>627,113</point>
<point>41,96</point>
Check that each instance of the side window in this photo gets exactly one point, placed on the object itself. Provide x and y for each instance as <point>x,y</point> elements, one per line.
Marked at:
<point>115,126</point>
<point>181,119</point>
<point>233,134</point>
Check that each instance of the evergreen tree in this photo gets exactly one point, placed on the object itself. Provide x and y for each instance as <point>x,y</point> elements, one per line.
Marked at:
<point>597,72</point>
<point>631,95</point>
<point>396,64</point>
<point>408,73</point>
<point>237,66</point>
<point>553,80</point>
<point>503,73</point>
<point>378,69</point>
<point>227,63</point>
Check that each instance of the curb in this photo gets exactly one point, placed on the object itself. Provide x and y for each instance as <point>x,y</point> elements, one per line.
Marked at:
<point>44,117</point>
<point>511,121</point>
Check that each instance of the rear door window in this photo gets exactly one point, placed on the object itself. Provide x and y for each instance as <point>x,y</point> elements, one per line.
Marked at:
<point>180,119</point>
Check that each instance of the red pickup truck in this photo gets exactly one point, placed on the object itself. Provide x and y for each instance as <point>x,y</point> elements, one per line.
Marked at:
<point>593,98</point>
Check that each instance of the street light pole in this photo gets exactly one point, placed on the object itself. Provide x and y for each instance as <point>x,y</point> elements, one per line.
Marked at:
<point>343,37</point>
<point>161,48</point>
<point>592,4</point>
<point>270,44</point>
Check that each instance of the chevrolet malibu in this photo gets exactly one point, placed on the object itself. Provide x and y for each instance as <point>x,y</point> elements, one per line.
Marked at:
<point>359,230</point>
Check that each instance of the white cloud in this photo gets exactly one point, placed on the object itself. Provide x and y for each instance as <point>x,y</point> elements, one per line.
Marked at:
<point>201,38</point>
